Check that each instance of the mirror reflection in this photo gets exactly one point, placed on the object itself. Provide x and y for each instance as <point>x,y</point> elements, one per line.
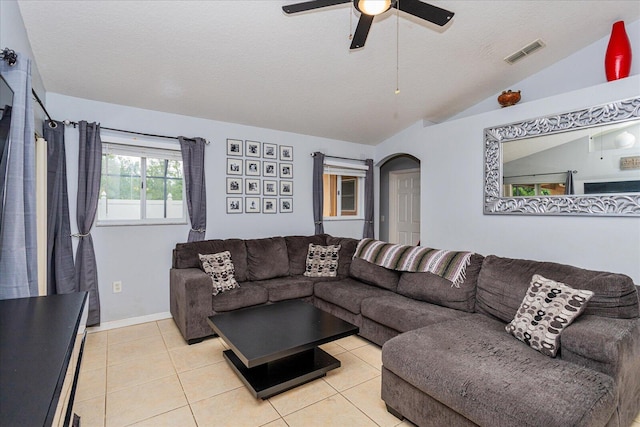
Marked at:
<point>598,160</point>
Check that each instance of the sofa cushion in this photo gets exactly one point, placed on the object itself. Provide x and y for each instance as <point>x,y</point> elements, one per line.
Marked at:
<point>472,366</point>
<point>347,249</point>
<point>503,282</point>
<point>297,248</point>
<point>220,268</point>
<point>347,293</point>
<point>246,295</point>
<point>285,288</point>
<point>404,314</point>
<point>374,274</point>
<point>547,308</point>
<point>322,261</point>
<point>267,258</point>
<point>185,255</point>
<point>432,288</point>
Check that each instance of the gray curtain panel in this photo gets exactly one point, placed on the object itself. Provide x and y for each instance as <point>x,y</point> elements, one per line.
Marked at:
<point>318,191</point>
<point>60,268</point>
<point>89,168</point>
<point>568,184</point>
<point>368,201</point>
<point>18,257</point>
<point>194,182</point>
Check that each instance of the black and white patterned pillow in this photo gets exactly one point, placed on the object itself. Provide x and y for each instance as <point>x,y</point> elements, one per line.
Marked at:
<point>322,261</point>
<point>220,268</point>
<point>547,308</point>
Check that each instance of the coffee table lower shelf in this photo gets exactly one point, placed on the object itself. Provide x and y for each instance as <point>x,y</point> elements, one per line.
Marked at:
<point>283,374</point>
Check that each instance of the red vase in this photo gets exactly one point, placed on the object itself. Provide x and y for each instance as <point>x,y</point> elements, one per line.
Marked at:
<point>617,60</point>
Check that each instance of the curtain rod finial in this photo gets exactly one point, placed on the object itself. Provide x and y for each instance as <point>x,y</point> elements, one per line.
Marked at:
<point>9,55</point>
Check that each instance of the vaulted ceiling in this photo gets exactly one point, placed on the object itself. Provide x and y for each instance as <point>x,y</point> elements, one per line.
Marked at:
<point>247,62</point>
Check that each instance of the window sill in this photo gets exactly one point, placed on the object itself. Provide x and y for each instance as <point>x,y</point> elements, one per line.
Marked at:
<point>342,218</point>
<point>126,223</point>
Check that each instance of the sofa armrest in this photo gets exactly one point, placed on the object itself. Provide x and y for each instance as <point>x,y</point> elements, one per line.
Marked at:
<point>602,339</point>
<point>190,299</point>
<point>611,346</point>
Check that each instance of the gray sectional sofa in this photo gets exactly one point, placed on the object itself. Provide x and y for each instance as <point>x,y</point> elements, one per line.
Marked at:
<point>447,359</point>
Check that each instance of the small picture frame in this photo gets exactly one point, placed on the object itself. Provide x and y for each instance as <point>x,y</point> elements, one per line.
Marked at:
<point>270,188</point>
<point>234,166</point>
<point>252,204</point>
<point>286,204</point>
<point>286,153</point>
<point>234,205</point>
<point>234,185</point>
<point>270,151</point>
<point>234,147</point>
<point>252,167</point>
<point>269,169</point>
<point>252,149</point>
<point>252,186</point>
<point>286,188</point>
<point>269,205</point>
<point>286,170</point>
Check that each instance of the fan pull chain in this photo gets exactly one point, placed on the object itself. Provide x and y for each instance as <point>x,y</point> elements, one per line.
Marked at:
<point>398,47</point>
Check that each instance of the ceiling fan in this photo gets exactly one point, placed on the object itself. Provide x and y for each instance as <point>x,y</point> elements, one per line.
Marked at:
<point>370,8</point>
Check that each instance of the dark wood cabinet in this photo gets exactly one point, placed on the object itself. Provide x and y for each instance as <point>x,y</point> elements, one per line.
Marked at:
<point>40,355</point>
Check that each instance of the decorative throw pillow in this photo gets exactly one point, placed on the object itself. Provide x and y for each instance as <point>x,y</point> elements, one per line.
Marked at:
<point>322,261</point>
<point>547,308</point>
<point>220,268</point>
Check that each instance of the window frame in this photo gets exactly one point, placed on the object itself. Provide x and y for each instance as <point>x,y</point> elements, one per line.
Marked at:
<point>351,171</point>
<point>143,150</point>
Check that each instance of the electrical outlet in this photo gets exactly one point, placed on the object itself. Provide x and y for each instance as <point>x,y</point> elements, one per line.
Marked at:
<point>117,287</point>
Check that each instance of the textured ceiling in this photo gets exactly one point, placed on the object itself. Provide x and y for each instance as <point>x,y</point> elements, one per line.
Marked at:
<point>247,62</point>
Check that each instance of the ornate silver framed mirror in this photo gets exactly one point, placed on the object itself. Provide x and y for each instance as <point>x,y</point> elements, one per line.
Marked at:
<point>584,162</point>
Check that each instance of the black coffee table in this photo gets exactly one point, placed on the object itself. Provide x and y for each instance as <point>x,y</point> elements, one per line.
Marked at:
<point>275,347</point>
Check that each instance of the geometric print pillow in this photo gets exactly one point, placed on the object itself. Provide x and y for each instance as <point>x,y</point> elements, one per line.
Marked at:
<point>220,268</point>
<point>322,261</point>
<point>547,308</point>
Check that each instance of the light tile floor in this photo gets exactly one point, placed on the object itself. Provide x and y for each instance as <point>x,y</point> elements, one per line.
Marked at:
<point>146,375</point>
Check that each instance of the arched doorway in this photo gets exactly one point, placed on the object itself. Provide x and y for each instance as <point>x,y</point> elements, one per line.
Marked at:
<point>400,200</point>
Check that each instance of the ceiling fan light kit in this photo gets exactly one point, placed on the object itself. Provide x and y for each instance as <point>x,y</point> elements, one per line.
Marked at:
<point>370,8</point>
<point>373,7</point>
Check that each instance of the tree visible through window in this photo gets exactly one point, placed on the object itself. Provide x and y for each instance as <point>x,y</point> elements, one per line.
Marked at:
<point>548,189</point>
<point>142,188</point>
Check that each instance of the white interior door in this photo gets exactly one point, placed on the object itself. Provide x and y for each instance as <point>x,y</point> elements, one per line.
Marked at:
<point>404,207</point>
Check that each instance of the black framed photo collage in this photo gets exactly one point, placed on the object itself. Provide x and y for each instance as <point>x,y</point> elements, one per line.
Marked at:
<point>259,177</point>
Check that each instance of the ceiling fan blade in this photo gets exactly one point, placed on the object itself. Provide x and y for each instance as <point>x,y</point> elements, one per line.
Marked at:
<point>425,11</point>
<point>310,5</point>
<point>362,31</point>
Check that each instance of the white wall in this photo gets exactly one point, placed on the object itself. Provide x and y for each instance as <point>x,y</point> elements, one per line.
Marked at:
<point>140,256</point>
<point>451,156</point>
<point>581,69</point>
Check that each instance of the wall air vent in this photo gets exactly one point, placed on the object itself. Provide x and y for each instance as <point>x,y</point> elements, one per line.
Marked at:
<point>525,51</point>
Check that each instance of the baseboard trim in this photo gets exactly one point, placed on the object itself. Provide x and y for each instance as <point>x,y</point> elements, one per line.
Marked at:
<point>105,326</point>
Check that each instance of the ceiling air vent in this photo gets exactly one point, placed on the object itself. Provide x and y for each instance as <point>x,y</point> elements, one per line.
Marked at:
<point>525,51</point>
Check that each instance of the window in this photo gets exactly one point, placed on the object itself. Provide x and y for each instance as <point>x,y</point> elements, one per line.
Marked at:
<point>542,184</point>
<point>545,189</point>
<point>140,185</point>
<point>343,185</point>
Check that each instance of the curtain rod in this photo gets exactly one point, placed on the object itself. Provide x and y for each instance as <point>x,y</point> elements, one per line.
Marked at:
<point>342,158</point>
<point>52,123</point>
<point>537,174</point>
<point>10,56</point>
<point>69,123</point>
